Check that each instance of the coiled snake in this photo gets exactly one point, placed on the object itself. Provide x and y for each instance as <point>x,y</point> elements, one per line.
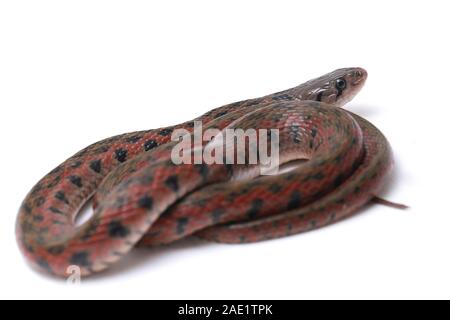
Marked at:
<point>142,198</point>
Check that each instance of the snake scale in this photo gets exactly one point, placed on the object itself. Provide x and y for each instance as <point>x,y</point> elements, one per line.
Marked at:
<point>141,198</point>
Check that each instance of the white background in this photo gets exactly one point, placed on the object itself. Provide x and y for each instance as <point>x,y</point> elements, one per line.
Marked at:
<point>74,72</point>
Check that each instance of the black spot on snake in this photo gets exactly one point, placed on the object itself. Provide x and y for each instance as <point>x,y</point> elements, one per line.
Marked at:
<point>96,166</point>
<point>150,144</point>
<point>333,216</point>
<point>290,177</point>
<point>275,188</point>
<point>294,201</point>
<point>253,102</point>
<point>39,201</point>
<point>111,140</point>
<point>117,230</point>
<point>338,181</point>
<point>53,183</point>
<point>101,149</point>
<point>289,228</point>
<point>284,97</point>
<point>38,218</point>
<point>56,170</point>
<point>133,139</point>
<point>220,114</point>
<point>82,153</point>
<point>121,155</point>
<point>203,170</point>
<point>26,208</point>
<point>165,132</point>
<point>172,183</point>
<point>61,196</point>
<point>217,215</point>
<point>146,179</point>
<point>56,250</point>
<point>80,259</point>
<point>318,176</point>
<point>38,187</point>
<point>76,180</point>
<point>76,164</point>
<point>29,247</point>
<point>26,226</point>
<point>145,202</point>
<point>181,225</point>
<point>338,159</point>
<point>120,202</point>
<point>55,210</point>
<point>255,208</point>
<point>44,265</point>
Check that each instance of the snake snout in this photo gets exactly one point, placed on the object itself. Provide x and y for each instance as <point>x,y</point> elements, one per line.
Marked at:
<point>358,75</point>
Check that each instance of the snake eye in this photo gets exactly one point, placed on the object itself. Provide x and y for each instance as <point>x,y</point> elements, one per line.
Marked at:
<point>341,84</point>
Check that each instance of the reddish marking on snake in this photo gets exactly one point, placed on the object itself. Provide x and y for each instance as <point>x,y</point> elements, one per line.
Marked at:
<point>143,199</point>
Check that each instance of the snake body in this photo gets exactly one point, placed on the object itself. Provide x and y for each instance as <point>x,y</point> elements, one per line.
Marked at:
<point>143,199</point>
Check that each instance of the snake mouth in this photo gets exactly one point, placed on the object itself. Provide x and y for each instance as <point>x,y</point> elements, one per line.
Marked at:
<point>355,82</point>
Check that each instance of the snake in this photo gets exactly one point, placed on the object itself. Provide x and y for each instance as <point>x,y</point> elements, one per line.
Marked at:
<point>143,199</point>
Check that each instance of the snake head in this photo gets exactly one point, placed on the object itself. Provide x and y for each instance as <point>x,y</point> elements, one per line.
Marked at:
<point>335,88</point>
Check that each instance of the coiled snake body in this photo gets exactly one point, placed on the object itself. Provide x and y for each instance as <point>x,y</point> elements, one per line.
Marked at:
<point>143,199</point>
